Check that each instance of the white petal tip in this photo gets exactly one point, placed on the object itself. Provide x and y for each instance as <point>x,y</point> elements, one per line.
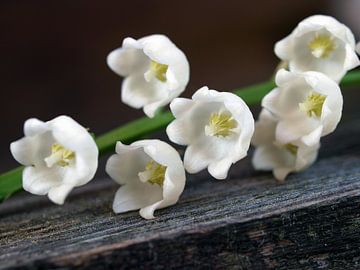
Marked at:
<point>144,213</point>
<point>219,176</point>
<point>58,194</point>
<point>150,110</point>
<point>280,174</point>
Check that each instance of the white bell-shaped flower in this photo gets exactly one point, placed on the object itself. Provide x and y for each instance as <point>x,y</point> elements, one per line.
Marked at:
<point>319,43</point>
<point>155,71</point>
<point>216,126</point>
<point>58,155</point>
<point>308,106</point>
<point>282,159</point>
<point>151,173</point>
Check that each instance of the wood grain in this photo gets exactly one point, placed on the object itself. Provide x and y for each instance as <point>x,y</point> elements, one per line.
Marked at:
<point>247,221</point>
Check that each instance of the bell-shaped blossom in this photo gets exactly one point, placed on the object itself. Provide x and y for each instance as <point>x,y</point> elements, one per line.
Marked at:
<point>155,71</point>
<point>282,159</point>
<point>58,155</point>
<point>216,126</point>
<point>151,173</point>
<point>319,43</point>
<point>308,106</point>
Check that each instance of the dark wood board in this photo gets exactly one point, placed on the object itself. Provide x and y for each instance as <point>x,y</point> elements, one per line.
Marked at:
<point>247,221</point>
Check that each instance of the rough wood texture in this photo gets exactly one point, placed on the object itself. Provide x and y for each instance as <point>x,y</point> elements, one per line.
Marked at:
<point>248,221</point>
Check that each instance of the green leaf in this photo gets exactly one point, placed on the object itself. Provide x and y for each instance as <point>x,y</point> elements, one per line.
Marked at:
<point>10,182</point>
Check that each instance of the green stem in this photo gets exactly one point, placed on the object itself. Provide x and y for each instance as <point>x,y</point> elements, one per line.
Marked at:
<point>132,131</point>
<point>10,182</point>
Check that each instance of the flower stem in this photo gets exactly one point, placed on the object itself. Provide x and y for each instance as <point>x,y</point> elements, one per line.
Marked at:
<point>10,182</point>
<point>132,131</point>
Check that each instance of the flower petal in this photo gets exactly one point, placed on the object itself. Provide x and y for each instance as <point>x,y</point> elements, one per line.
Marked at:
<point>295,47</point>
<point>281,173</point>
<point>132,197</point>
<point>39,180</point>
<point>292,129</point>
<point>352,60</point>
<point>283,48</point>
<point>160,152</point>
<point>312,138</point>
<point>147,212</point>
<point>73,136</point>
<point>306,156</point>
<point>219,169</point>
<point>160,49</point>
<point>173,187</point>
<point>82,172</point>
<point>179,131</point>
<point>192,120</point>
<point>24,150</point>
<point>284,77</point>
<point>34,127</point>
<point>137,92</point>
<point>268,157</point>
<point>137,194</point>
<point>242,114</point>
<point>124,166</point>
<point>125,61</point>
<point>59,193</point>
<point>195,160</point>
<point>206,95</point>
<point>285,99</point>
<point>57,180</point>
<point>333,104</point>
<point>150,109</point>
<point>264,128</point>
<point>180,106</point>
<point>332,25</point>
<point>141,88</point>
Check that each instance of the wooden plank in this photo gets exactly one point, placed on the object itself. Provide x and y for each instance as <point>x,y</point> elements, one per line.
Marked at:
<point>250,220</point>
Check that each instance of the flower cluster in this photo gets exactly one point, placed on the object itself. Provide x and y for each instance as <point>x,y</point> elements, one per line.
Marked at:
<point>216,127</point>
<point>151,173</point>
<point>58,155</point>
<point>307,102</point>
<point>319,43</point>
<point>155,72</point>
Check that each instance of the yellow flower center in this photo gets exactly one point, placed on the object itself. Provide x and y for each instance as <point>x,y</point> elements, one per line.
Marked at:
<point>322,46</point>
<point>159,70</point>
<point>291,148</point>
<point>313,104</point>
<point>220,124</point>
<point>59,156</point>
<point>154,173</point>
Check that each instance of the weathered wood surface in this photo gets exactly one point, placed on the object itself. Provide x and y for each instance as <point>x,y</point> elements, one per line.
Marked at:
<point>248,221</point>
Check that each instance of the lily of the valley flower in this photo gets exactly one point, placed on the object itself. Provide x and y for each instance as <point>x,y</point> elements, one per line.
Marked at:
<point>59,155</point>
<point>282,159</point>
<point>216,126</point>
<point>308,106</point>
<point>151,173</point>
<point>156,71</point>
<point>319,43</point>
